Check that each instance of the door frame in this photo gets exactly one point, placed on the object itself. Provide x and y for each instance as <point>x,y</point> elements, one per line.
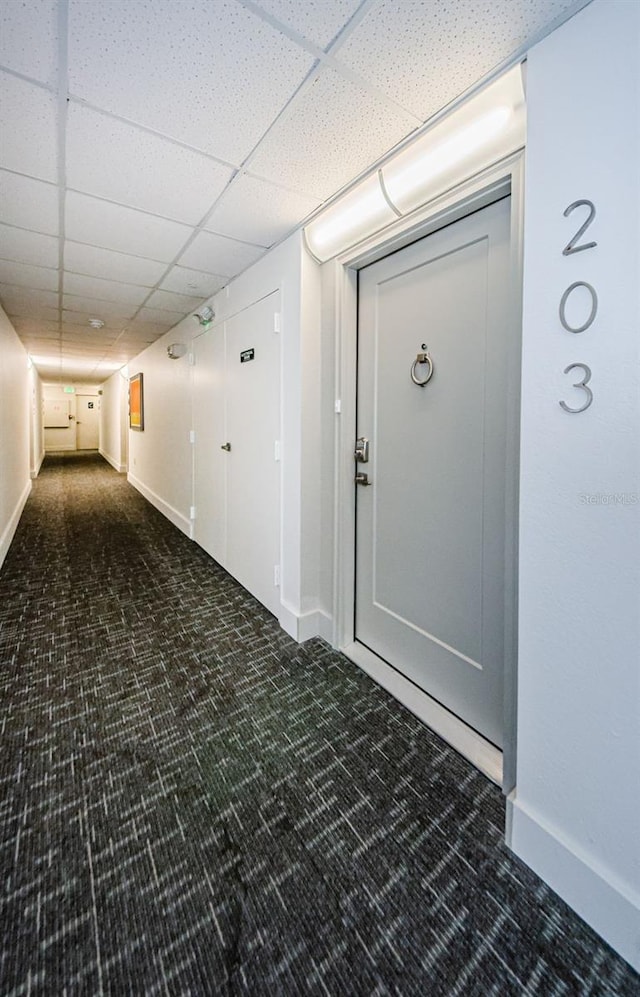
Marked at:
<point>500,180</point>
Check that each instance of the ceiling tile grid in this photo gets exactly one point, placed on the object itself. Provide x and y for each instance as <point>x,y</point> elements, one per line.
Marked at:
<point>96,262</point>
<point>259,212</point>
<point>28,203</point>
<point>220,255</point>
<point>197,133</point>
<point>27,276</point>
<point>424,55</point>
<point>318,20</point>
<point>29,39</point>
<point>29,130</point>
<point>121,163</point>
<point>23,246</point>
<point>331,134</point>
<point>125,230</point>
<point>189,71</point>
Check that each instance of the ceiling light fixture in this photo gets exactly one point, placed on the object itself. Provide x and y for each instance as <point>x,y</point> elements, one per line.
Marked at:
<point>96,323</point>
<point>176,350</point>
<point>486,128</point>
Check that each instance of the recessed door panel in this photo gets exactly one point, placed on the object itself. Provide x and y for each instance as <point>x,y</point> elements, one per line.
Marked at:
<point>237,432</point>
<point>430,565</point>
<point>87,423</point>
<point>209,420</point>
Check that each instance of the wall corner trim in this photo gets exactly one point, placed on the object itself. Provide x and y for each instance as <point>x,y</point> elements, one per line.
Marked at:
<point>120,468</point>
<point>182,522</point>
<point>11,527</point>
<point>304,626</point>
<point>609,907</point>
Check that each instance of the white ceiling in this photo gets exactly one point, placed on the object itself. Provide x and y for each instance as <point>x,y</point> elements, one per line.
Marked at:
<point>153,149</point>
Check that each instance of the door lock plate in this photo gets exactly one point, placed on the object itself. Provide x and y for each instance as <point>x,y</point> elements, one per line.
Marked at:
<point>361,452</point>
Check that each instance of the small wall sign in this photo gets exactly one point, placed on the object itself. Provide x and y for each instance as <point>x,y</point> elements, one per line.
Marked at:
<point>89,404</point>
<point>247,355</point>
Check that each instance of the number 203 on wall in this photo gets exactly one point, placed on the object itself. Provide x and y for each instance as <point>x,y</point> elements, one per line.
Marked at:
<point>575,246</point>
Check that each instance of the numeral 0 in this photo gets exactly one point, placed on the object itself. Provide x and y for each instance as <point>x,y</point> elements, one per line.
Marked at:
<point>570,248</point>
<point>565,298</point>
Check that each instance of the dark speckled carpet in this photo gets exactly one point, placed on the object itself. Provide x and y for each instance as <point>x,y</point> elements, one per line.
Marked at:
<point>191,803</point>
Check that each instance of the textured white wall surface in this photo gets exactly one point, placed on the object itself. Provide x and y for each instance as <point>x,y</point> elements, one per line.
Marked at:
<point>15,480</point>
<point>576,815</point>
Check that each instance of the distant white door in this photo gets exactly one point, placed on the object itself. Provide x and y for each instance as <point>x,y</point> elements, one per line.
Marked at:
<point>87,423</point>
<point>431,561</point>
<point>237,433</point>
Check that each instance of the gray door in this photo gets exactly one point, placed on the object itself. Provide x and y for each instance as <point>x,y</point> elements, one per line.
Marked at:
<point>431,550</point>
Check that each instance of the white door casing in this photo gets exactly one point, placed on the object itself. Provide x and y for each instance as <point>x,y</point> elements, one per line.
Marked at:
<point>431,544</point>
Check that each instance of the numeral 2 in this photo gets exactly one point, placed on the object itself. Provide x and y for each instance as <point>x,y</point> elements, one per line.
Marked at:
<point>571,245</point>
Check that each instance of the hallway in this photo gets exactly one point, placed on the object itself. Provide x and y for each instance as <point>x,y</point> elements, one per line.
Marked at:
<point>192,803</point>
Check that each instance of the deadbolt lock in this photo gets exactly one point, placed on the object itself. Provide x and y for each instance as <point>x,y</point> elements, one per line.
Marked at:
<point>361,452</point>
<point>362,478</point>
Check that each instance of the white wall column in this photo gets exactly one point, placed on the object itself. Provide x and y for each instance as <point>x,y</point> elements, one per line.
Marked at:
<point>575,817</point>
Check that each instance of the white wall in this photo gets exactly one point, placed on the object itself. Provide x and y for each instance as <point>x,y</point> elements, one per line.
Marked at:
<point>65,439</point>
<point>113,421</point>
<point>36,434</point>
<point>15,414</point>
<point>576,813</point>
<point>160,457</point>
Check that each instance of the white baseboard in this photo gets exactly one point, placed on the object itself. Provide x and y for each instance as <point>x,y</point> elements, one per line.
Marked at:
<point>167,510</point>
<point>11,527</point>
<point>35,471</point>
<point>480,752</point>
<point>610,907</point>
<point>304,626</point>
<point>114,463</point>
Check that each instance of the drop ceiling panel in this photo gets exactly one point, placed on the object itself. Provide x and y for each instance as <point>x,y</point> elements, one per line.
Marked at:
<point>328,136</point>
<point>16,307</point>
<point>28,247</point>
<point>95,262</point>
<point>111,226</point>
<point>24,275</point>
<point>106,290</point>
<point>143,330</point>
<point>28,203</point>
<point>29,38</point>
<point>32,327</point>
<point>318,20</point>
<point>159,317</point>
<point>186,281</point>
<point>28,115</point>
<point>423,55</point>
<point>112,323</point>
<point>97,308</point>
<point>122,163</point>
<point>170,301</point>
<point>259,212</point>
<point>216,78</point>
<point>219,255</point>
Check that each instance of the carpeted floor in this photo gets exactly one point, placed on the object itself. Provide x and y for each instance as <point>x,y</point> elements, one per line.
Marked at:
<point>191,803</point>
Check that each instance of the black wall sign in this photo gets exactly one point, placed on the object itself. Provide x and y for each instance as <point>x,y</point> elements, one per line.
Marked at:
<point>247,355</point>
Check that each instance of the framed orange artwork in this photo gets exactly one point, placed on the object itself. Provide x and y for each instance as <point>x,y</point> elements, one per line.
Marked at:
<point>136,403</point>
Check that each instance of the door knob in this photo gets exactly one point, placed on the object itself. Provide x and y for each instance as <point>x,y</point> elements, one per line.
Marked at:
<point>226,446</point>
<point>362,478</point>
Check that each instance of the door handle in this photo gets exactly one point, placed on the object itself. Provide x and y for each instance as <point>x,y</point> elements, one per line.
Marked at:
<point>226,446</point>
<point>362,478</point>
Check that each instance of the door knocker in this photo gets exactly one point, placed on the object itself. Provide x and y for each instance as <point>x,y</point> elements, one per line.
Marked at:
<point>422,358</point>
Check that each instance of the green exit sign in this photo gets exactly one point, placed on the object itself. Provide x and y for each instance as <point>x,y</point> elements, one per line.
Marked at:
<point>69,391</point>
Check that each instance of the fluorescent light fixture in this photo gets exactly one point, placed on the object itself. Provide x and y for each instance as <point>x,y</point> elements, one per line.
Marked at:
<point>350,219</point>
<point>484,129</point>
